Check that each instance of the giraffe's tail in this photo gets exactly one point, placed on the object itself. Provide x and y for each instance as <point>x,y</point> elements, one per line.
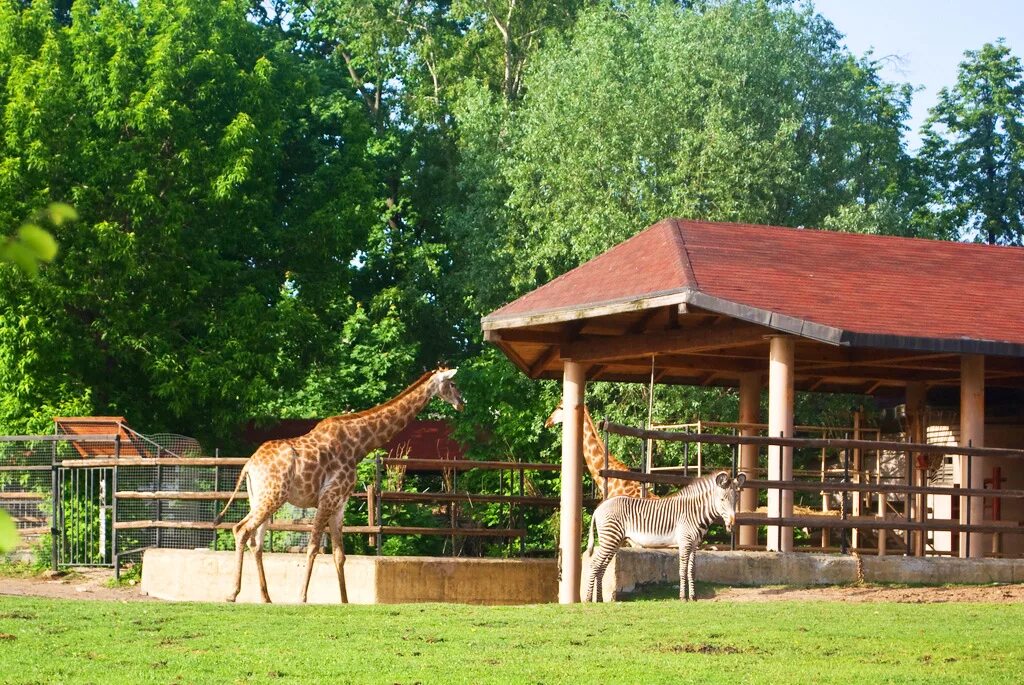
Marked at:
<point>241,475</point>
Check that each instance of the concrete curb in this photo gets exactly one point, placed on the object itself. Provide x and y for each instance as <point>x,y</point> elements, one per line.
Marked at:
<point>633,568</point>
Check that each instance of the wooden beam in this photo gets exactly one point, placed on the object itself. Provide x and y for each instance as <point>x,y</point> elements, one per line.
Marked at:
<point>525,336</point>
<point>730,334</point>
<point>671,362</point>
<point>550,354</point>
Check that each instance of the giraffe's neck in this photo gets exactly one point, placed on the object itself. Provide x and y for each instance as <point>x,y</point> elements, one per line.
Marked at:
<point>593,450</point>
<point>374,427</point>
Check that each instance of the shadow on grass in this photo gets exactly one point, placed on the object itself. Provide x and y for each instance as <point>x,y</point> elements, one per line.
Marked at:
<point>662,591</point>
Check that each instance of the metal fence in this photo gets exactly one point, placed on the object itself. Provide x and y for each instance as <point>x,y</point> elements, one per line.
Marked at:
<point>102,499</point>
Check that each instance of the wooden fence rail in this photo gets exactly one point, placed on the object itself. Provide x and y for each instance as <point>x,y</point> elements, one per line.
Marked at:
<point>818,443</point>
<point>909,521</point>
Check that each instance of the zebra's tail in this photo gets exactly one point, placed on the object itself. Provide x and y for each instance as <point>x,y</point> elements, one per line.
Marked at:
<point>241,475</point>
<point>590,537</point>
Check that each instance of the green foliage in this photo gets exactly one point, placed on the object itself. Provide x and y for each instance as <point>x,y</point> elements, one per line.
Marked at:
<point>973,150</point>
<point>743,112</point>
<point>131,574</point>
<point>221,182</point>
<point>33,244</point>
<point>8,532</point>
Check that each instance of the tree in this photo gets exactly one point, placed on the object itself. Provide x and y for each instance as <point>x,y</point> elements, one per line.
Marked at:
<point>739,110</point>
<point>221,182</point>
<point>739,113</point>
<point>29,246</point>
<point>973,150</point>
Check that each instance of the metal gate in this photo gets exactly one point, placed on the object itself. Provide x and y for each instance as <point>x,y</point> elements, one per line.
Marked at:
<point>84,505</point>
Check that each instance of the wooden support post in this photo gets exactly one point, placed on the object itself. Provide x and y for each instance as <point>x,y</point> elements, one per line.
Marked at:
<point>857,471</point>
<point>972,432</point>
<point>916,400</point>
<point>882,532</point>
<point>780,423</point>
<point>750,413</point>
<point>826,538</point>
<point>570,520</point>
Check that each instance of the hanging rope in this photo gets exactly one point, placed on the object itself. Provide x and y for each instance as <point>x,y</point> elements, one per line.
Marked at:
<point>649,462</point>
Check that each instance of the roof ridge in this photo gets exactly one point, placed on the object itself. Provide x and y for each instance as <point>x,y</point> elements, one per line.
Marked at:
<point>684,255</point>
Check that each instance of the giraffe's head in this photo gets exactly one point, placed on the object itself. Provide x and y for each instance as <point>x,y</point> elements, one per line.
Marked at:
<point>555,418</point>
<point>444,387</point>
<point>725,494</point>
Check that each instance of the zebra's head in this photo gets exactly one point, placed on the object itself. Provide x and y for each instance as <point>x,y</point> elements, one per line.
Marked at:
<point>726,495</point>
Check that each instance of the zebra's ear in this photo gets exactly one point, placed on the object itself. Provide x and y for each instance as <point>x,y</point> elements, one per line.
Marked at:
<point>722,479</point>
<point>740,480</point>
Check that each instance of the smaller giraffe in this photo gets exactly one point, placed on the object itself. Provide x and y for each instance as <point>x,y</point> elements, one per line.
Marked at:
<point>593,455</point>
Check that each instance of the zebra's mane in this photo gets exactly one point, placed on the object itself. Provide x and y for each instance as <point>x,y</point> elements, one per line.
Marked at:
<point>697,487</point>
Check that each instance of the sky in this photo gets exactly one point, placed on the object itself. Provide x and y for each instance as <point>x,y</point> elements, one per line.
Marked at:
<point>928,37</point>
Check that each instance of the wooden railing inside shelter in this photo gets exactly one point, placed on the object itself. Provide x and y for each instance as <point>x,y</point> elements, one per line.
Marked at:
<point>912,521</point>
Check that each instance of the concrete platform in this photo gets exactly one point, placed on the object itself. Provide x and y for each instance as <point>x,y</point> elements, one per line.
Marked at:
<point>207,576</point>
<point>632,568</point>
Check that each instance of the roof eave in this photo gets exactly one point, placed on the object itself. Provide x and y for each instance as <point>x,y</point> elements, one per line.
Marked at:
<point>493,322</point>
<point>782,323</point>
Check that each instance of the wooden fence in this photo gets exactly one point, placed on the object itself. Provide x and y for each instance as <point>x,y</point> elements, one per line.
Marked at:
<point>912,520</point>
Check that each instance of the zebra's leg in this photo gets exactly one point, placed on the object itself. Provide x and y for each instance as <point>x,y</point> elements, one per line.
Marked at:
<point>599,564</point>
<point>684,555</point>
<point>689,572</point>
<point>588,596</point>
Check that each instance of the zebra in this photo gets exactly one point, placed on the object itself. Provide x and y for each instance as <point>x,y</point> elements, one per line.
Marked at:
<point>680,520</point>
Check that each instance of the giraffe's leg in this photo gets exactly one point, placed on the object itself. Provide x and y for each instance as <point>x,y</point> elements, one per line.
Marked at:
<point>261,511</point>
<point>338,547</point>
<point>241,538</point>
<point>257,549</point>
<point>323,514</point>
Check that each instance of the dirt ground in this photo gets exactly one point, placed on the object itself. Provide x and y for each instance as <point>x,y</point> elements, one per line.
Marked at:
<point>874,593</point>
<point>78,584</point>
<point>93,584</point>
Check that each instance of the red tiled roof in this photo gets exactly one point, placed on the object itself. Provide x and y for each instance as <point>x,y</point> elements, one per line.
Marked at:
<point>838,287</point>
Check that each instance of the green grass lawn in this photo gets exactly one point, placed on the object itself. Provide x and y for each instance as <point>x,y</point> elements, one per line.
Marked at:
<point>644,641</point>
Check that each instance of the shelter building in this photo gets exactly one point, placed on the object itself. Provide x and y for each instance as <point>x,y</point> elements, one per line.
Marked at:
<point>748,306</point>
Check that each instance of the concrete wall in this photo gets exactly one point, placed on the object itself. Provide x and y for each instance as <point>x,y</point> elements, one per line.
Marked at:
<point>633,568</point>
<point>207,576</point>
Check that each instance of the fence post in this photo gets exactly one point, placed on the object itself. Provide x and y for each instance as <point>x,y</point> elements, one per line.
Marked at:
<point>380,493</point>
<point>735,528</point>
<point>843,547</point>
<point>54,501</point>
<point>159,503</point>
<point>967,500</point>
<point>519,510</point>
<point>113,511</point>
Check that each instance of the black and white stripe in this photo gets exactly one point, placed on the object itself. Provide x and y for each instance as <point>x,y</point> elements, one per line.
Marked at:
<point>681,520</point>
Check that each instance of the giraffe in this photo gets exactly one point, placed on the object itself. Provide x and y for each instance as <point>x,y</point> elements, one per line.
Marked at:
<point>318,469</point>
<point>593,455</point>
